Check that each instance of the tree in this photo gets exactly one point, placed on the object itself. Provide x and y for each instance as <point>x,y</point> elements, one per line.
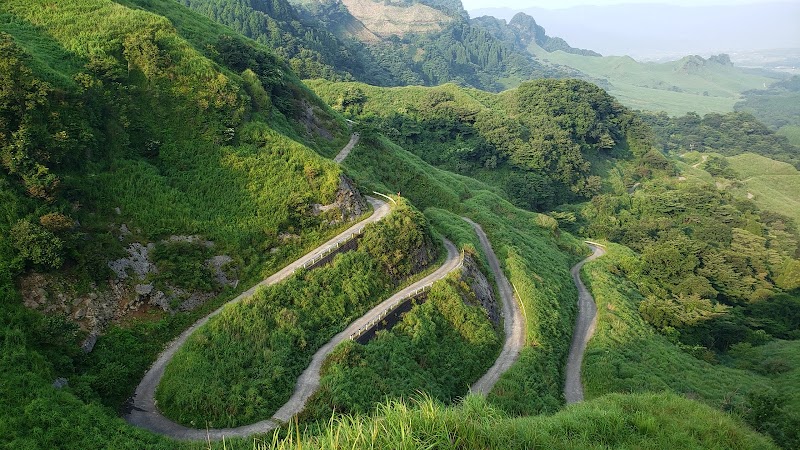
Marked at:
<point>37,245</point>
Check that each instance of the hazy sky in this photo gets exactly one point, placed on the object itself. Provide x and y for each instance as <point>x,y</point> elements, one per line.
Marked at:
<point>558,4</point>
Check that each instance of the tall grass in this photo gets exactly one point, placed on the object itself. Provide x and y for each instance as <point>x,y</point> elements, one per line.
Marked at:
<point>242,366</point>
<point>439,347</point>
<point>645,421</point>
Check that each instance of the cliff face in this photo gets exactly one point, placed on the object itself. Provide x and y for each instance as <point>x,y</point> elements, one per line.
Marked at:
<point>481,289</point>
<point>390,18</point>
<point>349,204</point>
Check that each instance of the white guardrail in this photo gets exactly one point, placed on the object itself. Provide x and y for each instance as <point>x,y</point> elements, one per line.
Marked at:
<point>372,323</point>
<point>324,253</point>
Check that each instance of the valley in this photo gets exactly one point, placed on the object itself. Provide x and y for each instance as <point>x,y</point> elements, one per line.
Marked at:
<point>327,224</point>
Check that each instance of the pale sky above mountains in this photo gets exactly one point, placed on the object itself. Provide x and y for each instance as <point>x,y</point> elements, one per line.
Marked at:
<point>559,4</point>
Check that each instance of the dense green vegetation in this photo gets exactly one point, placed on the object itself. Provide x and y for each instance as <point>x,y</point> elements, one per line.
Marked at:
<point>309,47</point>
<point>36,350</point>
<point>148,114</point>
<point>772,185</point>
<point>699,247</point>
<point>217,380</point>
<point>537,142</point>
<point>182,130</point>
<point>777,106</point>
<point>647,421</point>
<point>728,134</point>
<point>439,347</point>
<point>754,381</point>
<point>320,40</point>
<point>534,254</point>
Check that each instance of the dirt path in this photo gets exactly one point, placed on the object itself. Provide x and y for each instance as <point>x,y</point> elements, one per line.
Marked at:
<point>144,413</point>
<point>513,320</point>
<point>705,158</point>
<point>584,329</point>
<point>346,150</point>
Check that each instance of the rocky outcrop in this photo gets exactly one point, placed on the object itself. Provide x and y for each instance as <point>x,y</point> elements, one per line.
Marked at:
<point>389,18</point>
<point>130,290</point>
<point>480,286</point>
<point>137,261</point>
<point>348,205</point>
<point>91,310</point>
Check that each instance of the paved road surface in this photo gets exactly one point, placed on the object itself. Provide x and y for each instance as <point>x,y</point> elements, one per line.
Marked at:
<point>308,382</point>
<point>143,411</point>
<point>513,320</point>
<point>346,150</point>
<point>145,414</point>
<point>584,329</point>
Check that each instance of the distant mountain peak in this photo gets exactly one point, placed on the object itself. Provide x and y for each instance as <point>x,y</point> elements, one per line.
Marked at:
<point>387,18</point>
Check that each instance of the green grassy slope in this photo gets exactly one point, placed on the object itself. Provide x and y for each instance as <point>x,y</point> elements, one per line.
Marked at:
<point>217,380</point>
<point>439,347</point>
<point>772,185</point>
<point>542,144</point>
<point>645,421</point>
<point>535,256</point>
<point>677,87</point>
<point>187,132</point>
<point>627,355</point>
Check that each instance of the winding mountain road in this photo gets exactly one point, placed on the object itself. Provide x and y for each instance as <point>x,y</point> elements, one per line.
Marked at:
<point>513,320</point>
<point>584,329</point>
<point>346,149</point>
<point>144,412</point>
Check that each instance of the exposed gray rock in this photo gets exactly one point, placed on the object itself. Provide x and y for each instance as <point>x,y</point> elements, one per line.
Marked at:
<point>138,261</point>
<point>143,289</point>
<point>480,286</point>
<point>60,382</point>
<point>217,264</point>
<point>127,292</point>
<point>348,205</point>
<point>288,237</point>
<point>195,299</point>
<point>88,345</point>
<point>194,239</point>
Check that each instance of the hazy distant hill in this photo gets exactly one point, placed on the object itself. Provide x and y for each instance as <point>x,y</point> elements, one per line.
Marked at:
<point>653,31</point>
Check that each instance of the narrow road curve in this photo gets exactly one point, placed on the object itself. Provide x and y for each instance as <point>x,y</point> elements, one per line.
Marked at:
<point>705,158</point>
<point>143,411</point>
<point>513,320</point>
<point>585,324</point>
<point>346,149</point>
<point>308,382</point>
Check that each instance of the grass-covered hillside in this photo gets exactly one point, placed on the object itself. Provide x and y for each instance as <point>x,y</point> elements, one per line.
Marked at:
<point>729,134</point>
<point>677,87</point>
<point>155,163</point>
<point>119,130</point>
<point>752,379</point>
<point>217,380</point>
<point>439,347</point>
<point>772,185</point>
<point>542,144</point>
<point>646,421</point>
